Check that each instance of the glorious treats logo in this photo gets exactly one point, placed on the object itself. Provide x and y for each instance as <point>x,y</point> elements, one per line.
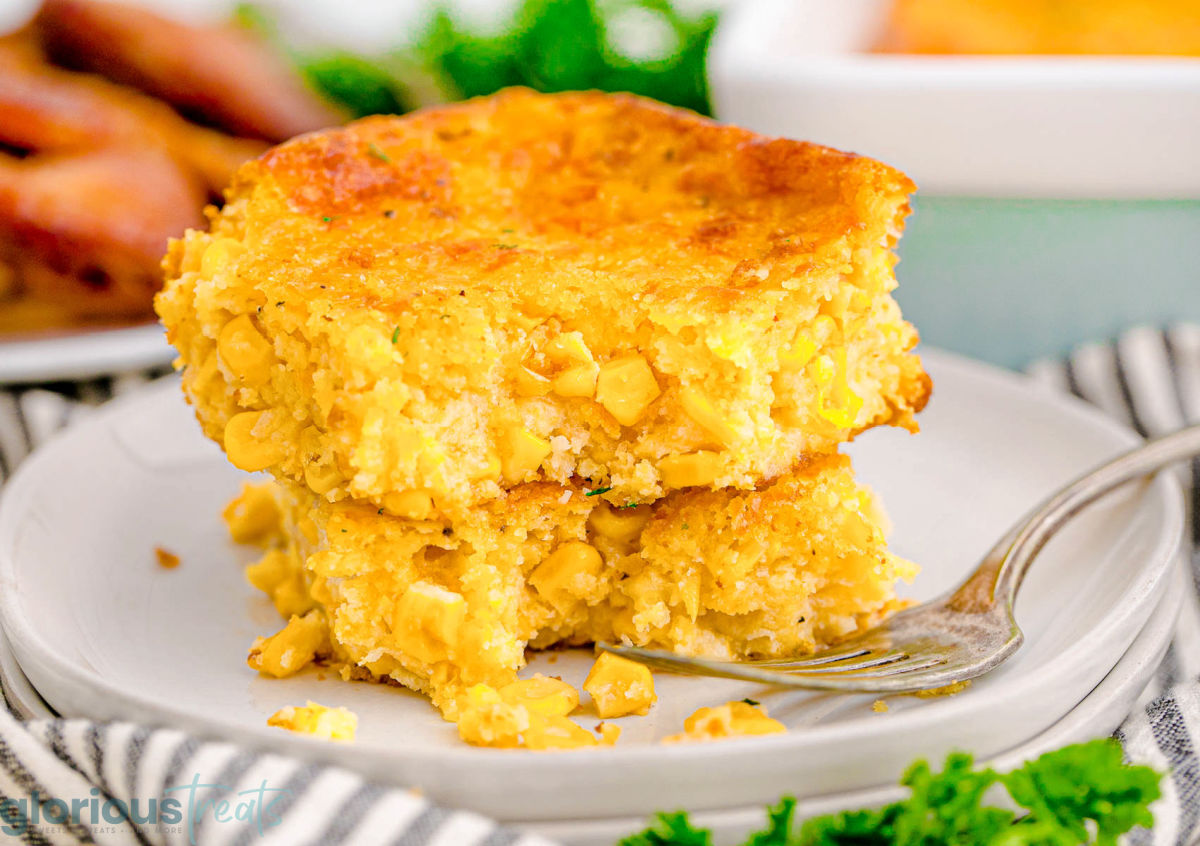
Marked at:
<point>183,808</point>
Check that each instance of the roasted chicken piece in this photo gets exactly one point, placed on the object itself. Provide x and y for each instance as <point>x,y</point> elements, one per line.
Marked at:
<point>46,109</point>
<point>219,73</point>
<point>87,231</point>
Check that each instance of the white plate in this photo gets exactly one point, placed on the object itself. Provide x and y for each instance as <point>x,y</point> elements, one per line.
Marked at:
<point>998,126</point>
<point>1098,715</point>
<point>82,354</point>
<point>1100,712</point>
<point>102,632</point>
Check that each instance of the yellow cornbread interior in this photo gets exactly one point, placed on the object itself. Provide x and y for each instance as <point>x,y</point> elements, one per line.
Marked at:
<point>443,607</point>
<point>664,319</point>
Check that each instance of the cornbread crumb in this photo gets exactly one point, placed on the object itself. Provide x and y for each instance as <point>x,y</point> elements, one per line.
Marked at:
<point>948,690</point>
<point>733,719</point>
<point>522,717</point>
<point>619,686</point>
<point>609,734</point>
<point>292,648</point>
<point>317,720</point>
<point>166,559</point>
<point>879,706</point>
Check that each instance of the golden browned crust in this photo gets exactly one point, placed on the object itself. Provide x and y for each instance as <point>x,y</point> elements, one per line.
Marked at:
<point>504,190</point>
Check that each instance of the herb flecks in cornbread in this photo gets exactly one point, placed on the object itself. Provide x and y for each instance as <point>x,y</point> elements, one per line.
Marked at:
<point>443,606</point>
<point>543,288</point>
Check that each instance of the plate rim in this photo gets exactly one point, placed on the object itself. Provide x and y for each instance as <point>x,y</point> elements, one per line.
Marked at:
<point>32,651</point>
<point>84,354</point>
<point>1151,641</point>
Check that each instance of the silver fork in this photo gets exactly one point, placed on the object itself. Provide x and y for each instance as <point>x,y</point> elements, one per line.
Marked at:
<point>958,636</point>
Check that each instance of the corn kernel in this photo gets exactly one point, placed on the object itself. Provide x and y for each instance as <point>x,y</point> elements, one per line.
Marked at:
<point>427,621</point>
<point>700,408</point>
<point>316,720</point>
<point>800,353</point>
<point>569,346</point>
<point>690,470</point>
<point>689,592</point>
<point>269,572</point>
<point>282,579</point>
<point>415,505</point>
<point>542,695</point>
<point>609,734</point>
<point>254,517</point>
<point>527,322</point>
<point>530,384</point>
<point>622,525</point>
<point>836,402</point>
<point>619,686</point>
<point>570,573</point>
<point>291,648</point>
<point>247,442</point>
<point>579,381</point>
<point>825,328</point>
<point>555,732</point>
<point>626,387</point>
<point>219,254</point>
<point>245,351</point>
<point>824,370</point>
<point>321,473</point>
<point>526,451</point>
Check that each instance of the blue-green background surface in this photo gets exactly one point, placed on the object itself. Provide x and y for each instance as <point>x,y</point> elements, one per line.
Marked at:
<point>1008,281</point>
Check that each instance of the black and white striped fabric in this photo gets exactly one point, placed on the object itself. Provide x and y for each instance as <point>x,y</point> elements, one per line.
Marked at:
<point>1149,379</point>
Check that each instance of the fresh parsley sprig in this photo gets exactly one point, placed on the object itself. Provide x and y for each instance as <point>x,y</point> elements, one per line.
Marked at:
<point>1081,794</point>
<point>548,45</point>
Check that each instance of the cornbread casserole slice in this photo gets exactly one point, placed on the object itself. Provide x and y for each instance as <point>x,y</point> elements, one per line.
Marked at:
<point>440,605</point>
<point>421,312</point>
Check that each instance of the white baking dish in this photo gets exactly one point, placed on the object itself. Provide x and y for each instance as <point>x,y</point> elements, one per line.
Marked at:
<point>1059,196</point>
<point>999,126</point>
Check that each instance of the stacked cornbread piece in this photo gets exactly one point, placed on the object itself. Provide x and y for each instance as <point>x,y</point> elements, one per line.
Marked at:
<point>534,370</point>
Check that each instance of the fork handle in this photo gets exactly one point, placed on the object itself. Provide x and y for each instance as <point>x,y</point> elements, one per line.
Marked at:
<point>1004,568</point>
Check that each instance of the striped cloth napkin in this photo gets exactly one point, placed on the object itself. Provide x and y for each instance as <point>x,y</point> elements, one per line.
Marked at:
<point>1148,379</point>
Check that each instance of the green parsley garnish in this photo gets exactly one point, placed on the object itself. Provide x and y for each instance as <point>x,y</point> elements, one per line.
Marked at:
<point>686,526</point>
<point>396,334</point>
<point>549,45</point>
<point>629,505</point>
<point>505,246</point>
<point>328,218</point>
<point>597,491</point>
<point>377,153</point>
<point>751,702</point>
<point>1080,794</point>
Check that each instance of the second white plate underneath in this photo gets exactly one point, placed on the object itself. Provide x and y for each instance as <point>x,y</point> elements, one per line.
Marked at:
<point>102,632</point>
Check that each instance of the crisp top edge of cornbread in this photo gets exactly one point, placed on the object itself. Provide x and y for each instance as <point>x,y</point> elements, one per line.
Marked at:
<point>522,184</point>
<point>775,162</point>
